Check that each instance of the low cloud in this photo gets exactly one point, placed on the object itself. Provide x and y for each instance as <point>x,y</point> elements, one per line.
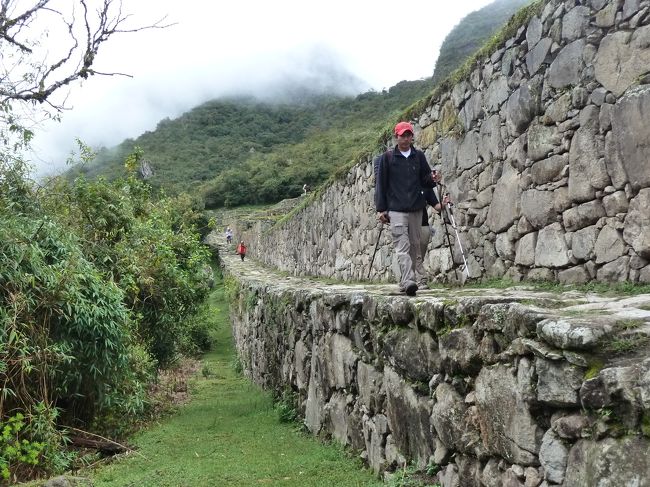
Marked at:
<point>134,106</point>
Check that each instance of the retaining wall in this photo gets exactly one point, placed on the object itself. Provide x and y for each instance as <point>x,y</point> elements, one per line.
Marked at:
<point>544,149</point>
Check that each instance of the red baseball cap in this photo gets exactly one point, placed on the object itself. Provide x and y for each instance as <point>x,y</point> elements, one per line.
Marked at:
<point>402,127</point>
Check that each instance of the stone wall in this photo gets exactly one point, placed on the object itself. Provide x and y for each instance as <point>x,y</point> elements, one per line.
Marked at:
<point>480,388</point>
<point>545,149</point>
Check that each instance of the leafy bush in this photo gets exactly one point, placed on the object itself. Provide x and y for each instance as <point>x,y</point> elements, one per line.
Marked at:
<point>286,406</point>
<point>100,284</point>
<point>147,247</point>
<point>64,332</point>
<point>64,328</point>
<point>13,449</point>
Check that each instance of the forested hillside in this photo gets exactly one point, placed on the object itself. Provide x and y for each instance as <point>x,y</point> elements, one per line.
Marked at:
<point>471,33</point>
<point>242,150</point>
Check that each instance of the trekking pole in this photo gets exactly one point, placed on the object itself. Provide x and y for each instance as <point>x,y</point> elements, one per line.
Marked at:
<point>444,224</point>
<point>375,252</point>
<point>460,246</point>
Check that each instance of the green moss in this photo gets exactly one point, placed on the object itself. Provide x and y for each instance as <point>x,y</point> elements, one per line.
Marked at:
<point>594,367</point>
<point>250,300</point>
<point>605,289</point>
<point>617,289</point>
<point>499,316</point>
<point>231,286</point>
<point>463,321</point>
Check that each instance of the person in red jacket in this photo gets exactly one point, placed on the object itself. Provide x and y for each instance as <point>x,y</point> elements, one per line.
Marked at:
<point>241,250</point>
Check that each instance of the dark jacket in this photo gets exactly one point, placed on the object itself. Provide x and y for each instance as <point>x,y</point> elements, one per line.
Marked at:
<point>400,181</point>
<point>429,197</point>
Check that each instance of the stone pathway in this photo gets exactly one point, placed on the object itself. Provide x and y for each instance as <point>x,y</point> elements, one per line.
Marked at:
<point>570,304</point>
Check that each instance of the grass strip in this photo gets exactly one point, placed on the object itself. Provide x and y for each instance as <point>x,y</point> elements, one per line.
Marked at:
<point>230,435</point>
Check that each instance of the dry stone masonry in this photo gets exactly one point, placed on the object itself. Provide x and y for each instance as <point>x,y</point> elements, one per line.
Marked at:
<point>480,387</point>
<point>545,148</point>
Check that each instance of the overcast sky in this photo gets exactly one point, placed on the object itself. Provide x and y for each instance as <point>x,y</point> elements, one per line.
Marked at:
<point>219,48</point>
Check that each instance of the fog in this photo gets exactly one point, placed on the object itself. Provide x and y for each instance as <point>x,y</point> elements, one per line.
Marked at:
<point>264,49</point>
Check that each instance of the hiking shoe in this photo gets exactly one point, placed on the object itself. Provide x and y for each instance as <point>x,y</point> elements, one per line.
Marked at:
<point>410,289</point>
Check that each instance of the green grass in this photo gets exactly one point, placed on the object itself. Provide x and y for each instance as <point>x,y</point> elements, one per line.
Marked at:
<point>230,434</point>
<point>620,346</point>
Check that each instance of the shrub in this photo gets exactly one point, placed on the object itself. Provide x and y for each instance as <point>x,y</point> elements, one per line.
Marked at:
<point>147,246</point>
<point>64,329</point>
<point>100,283</point>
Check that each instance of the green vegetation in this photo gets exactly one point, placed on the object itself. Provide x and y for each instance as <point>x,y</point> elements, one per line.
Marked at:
<point>629,324</point>
<point>618,289</point>
<point>231,433</point>
<point>625,345</point>
<point>14,450</point>
<point>410,476</point>
<point>242,151</point>
<point>101,285</point>
<point>471,33</point>
<point>595,366</point>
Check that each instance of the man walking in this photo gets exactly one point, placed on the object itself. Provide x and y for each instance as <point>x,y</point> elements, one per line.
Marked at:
<point>402,174</point>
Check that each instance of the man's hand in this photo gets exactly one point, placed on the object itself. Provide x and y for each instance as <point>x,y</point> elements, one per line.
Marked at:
<point>383,217</point>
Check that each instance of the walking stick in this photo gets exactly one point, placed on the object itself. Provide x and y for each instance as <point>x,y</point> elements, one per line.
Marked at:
<point>444,224</point>
<point>375,252</point>
<point>460,246</point>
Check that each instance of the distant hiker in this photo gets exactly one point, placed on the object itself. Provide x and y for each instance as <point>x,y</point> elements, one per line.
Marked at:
<point>241,250</point>
<point>402,174</point>
<point>228,235</point>
<point>305,189</point>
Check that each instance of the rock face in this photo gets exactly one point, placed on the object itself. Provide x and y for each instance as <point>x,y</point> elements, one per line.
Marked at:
<point>539,138</point>
<point>496,387</point>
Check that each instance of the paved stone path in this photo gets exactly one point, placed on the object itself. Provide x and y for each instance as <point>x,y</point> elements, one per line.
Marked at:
<point>572,303</point>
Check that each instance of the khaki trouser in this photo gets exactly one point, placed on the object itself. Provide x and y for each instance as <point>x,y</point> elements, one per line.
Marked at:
<point>405,230</point>
<point>425,236</point>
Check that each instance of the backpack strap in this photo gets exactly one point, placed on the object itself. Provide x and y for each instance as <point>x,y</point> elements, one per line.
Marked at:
<point>388,157</point>
<point>385,158</point>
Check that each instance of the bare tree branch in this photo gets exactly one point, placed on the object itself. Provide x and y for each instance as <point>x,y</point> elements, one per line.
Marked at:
<point>76,63</point>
